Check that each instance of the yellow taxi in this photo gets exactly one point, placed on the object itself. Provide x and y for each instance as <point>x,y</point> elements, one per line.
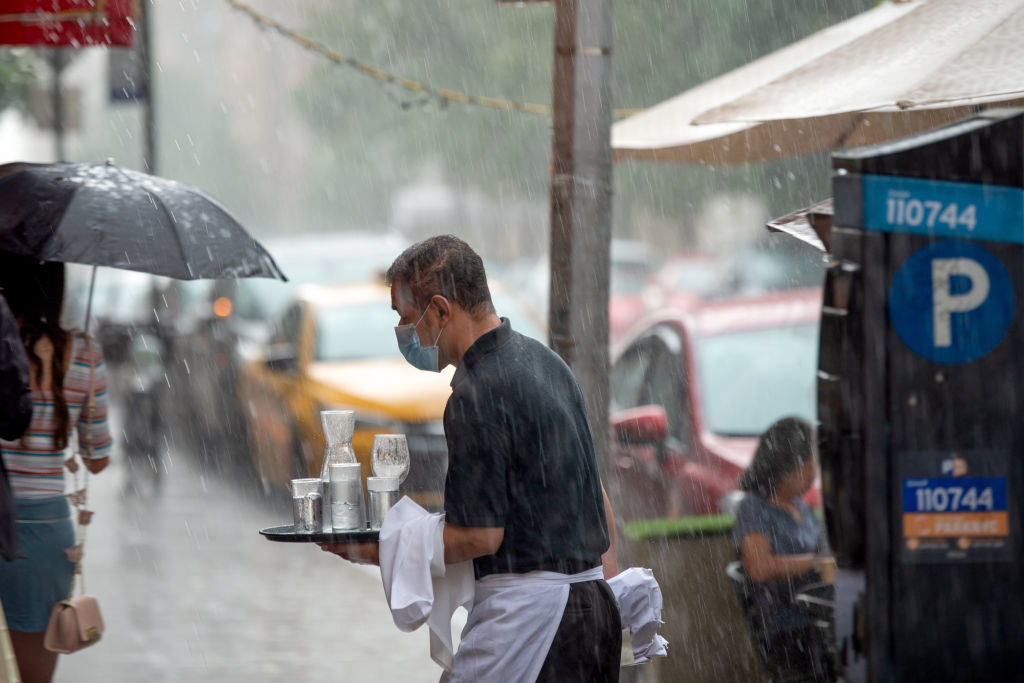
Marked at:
<point>335,348</point>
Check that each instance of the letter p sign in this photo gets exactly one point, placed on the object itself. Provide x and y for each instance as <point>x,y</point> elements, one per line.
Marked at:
<point>951,302</point>
<point>945,302</point>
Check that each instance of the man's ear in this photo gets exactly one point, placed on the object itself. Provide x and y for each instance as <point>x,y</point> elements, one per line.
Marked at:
<point>444,308</point>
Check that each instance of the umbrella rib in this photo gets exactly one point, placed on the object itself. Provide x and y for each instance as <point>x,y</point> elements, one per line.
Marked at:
<point>159,204</point>
<point>174,231</point>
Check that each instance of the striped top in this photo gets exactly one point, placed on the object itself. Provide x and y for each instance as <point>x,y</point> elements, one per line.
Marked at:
<point>34,468</point>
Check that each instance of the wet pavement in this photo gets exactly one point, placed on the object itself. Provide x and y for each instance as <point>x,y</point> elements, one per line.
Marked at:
<point>191,592</point>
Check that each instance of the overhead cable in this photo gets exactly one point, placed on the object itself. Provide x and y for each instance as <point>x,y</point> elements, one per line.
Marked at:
<point>442,94</point>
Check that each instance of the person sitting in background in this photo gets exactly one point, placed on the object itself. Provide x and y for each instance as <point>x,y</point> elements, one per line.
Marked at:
<point>61,367</point>
<point>779,543</point>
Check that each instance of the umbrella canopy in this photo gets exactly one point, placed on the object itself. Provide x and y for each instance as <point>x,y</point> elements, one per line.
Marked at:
<point>103,215</point>
<point>898,69</point>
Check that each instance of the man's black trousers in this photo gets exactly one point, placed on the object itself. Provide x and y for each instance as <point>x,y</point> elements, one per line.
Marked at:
<point>588,643</point>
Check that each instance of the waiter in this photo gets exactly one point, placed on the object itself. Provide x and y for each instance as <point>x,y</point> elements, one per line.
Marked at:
<point>523,497</point>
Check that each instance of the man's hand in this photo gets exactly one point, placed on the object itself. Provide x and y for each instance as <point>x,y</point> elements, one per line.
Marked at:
<point>360,553</point>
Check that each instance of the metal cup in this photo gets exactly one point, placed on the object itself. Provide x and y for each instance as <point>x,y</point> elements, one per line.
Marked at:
<point>307,502</point>
<point>308,511</point>
<point>383,494</point>
<point>347,508</point>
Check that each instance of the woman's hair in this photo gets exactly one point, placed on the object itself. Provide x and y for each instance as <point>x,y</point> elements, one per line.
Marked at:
<point>35,293</point>
<point>783,448</point>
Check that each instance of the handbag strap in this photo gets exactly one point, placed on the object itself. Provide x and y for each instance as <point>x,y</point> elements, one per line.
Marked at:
<point>79,498</point>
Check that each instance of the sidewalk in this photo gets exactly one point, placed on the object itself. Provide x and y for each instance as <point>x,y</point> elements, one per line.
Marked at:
<point>191,592</point>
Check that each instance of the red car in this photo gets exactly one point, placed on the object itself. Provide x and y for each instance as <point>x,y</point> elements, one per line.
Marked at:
<point>692,390</point>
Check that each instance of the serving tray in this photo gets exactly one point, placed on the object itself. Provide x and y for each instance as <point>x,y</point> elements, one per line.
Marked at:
<point>287,534</point>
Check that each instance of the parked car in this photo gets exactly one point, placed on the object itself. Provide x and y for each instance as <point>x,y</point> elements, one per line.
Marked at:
<point>631,265</point>
<point>774,263</point>
<point>683,281</point>
<point>692,390</point>
<point>335,348</point>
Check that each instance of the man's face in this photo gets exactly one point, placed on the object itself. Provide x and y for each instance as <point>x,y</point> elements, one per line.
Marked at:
<point>409,314</point>
<point>402,303</point>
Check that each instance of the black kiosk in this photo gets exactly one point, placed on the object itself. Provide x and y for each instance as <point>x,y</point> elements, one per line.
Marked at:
<point>921,402</point>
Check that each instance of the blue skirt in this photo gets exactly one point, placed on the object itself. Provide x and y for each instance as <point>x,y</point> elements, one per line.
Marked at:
<point>41,576</point>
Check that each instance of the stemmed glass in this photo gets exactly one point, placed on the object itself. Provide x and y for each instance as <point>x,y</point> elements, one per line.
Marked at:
<point>390,456</point>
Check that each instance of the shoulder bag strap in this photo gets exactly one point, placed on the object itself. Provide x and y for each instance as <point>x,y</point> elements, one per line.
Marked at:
<point>79,498</point>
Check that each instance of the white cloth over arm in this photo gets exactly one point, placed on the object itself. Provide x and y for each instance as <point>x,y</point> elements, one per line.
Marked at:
<point>639,597</point>
<point>418,585</point>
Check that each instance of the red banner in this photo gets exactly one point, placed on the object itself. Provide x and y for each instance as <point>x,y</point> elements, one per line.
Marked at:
<point>66,23</point>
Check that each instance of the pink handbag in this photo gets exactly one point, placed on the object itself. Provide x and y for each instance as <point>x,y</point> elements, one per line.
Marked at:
<point>74,623</point>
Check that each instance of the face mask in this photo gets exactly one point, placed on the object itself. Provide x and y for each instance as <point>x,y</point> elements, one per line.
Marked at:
<point>422,357</point>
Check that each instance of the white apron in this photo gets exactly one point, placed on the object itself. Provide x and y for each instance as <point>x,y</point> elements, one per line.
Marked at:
<point>512,624</point>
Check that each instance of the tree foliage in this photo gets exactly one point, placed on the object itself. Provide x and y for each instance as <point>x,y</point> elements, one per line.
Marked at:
<point>17,74</point>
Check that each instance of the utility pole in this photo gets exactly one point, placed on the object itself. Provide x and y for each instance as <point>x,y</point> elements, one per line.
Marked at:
<point>581,187</point>
<point>58,60</point>
<point>149,110</point>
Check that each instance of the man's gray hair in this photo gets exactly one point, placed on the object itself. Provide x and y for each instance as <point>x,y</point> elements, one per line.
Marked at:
<point>443,265</point>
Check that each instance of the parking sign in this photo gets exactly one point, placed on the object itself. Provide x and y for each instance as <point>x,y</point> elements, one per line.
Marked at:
<point>951,302</point>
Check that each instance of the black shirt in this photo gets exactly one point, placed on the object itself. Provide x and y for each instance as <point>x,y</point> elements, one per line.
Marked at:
<point>520,456</point>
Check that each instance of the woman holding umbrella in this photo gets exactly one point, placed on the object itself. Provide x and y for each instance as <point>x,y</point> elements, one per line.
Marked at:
<point>98,215</point>
<point>64,369</point>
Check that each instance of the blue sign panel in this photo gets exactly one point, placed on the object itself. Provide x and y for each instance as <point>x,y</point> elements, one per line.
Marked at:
<point>943,209</point>
<point>951,302</point>
<point>954,494</point>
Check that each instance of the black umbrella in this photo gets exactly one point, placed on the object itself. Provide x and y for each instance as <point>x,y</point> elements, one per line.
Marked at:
<point>102,215</point>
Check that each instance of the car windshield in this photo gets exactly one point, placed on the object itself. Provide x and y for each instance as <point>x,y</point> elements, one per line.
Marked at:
<point>750,379</point>
<point>356,332</point>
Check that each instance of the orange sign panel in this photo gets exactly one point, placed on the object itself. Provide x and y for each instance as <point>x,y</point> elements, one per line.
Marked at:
<point>947,525</point>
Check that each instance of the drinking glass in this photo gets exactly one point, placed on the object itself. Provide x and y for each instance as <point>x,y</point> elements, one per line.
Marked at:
<point>390,456</point>
<point>382,494</point>
<point>347,508</point>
